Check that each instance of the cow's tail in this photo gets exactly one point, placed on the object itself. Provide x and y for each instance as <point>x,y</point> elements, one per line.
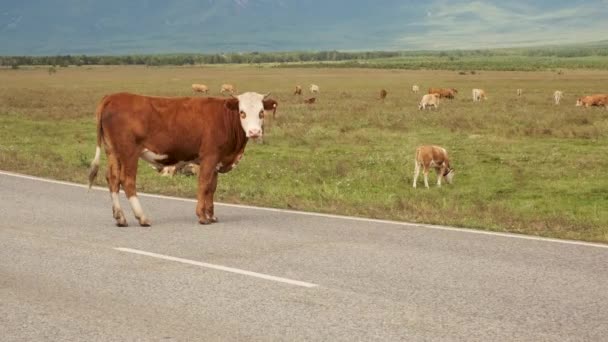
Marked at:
<point>96,160</point>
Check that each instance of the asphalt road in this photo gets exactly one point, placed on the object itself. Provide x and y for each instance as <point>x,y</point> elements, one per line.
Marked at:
<point>68,274</point>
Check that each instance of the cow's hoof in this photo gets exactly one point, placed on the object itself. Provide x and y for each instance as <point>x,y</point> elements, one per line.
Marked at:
<point>204,221</point>
<point>121,222</point>
<point>145,222</point>
<point>213,219</point>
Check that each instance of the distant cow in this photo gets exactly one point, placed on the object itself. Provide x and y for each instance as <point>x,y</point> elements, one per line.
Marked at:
<point>383,94</point>
<point>186,168</point>
<point>228,88</point>
<point>272,104</point>
<point>478,95</point>
<point>429,100</point>
<point>164,131</point>
<point>520,92</point>
<point>415,89</point>
<point>593,100</point>
<point>557,96</point>
<point>200,88</point>
<point>449,93</point>
<point>310,100</point>
<point>436,157</point>
<point>298,90</point>
<point>314,88</point>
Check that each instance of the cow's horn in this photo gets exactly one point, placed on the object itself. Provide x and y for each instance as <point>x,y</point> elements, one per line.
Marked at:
<point>234,97</point>
<point>266,95</point>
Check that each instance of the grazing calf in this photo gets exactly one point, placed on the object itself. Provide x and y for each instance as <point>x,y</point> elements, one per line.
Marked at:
<point>478,95</point>
<point>310,100</point>
<point>200,88</point>
<point>520,91</point>
<point>298,90</point>
<point>314,88</point>
<point>383,94</point>
<point>228,88</point>
<point>415,89</point>
<point>428,156</point>
<point>557,96</point>
<point>429,100</point>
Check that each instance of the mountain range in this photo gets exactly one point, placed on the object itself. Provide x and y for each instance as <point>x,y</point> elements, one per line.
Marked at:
<point>30,27</point>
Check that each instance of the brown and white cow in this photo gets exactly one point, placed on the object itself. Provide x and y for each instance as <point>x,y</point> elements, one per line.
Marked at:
<point>478,95</point>
<point>298,90</point>
<point>429,100</point>
<point>449,93</point>
<point>227,88</point>
<point>430,156</point>
<point>165,131</point>
<point>593,100</point>
<point>200,88</point>
<point>557,96</point>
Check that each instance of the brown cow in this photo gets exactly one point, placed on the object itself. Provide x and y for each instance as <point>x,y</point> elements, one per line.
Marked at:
<point>272,104</point>
<point>200,88</point>
<point>383,94</point>
<point>310,100</point>
<point>593,100</point>
<point>428,156</point>
<point>165,131</point>
<point>449,93</point>
<point>298,90</point>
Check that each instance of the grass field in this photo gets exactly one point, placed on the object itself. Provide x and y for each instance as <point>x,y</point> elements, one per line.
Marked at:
<point>523,164</point>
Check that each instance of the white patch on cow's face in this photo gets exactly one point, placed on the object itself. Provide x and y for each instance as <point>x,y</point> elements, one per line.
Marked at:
<point>251,111</point>
<point>450,176</point>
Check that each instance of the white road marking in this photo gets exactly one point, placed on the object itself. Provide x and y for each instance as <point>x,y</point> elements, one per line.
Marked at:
<point>341,217</point>
<point>219,267</point>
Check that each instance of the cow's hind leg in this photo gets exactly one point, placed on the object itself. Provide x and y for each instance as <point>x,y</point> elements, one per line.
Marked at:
<point>128,175</point>
<point>426,176</point>
<point>416,172</point>
<point>113,178</point>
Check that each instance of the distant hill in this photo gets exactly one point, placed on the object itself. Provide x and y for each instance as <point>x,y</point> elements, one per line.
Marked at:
<point>208,26</point>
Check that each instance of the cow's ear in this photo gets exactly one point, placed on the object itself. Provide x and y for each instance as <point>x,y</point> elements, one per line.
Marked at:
<point>232,104</point>
<point>270,104</point>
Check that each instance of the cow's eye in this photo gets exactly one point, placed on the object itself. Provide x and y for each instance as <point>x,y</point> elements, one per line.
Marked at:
<point>261,114</point>
<point>243,115</point>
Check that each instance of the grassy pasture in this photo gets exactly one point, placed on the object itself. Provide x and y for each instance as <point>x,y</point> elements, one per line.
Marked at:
<point>523,164</point>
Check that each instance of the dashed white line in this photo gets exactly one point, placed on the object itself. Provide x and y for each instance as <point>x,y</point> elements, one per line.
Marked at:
<point>351,218</point>
<point>219,267</point>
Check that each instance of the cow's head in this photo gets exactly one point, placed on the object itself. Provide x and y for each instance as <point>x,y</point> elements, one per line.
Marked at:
<point>449,175</point>
<point>251,108</point>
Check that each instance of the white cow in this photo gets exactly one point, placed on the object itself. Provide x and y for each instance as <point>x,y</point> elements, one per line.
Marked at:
<point>478,95</point>
<point>557,96</point>
<point>314,88</point>
<point>429,100</point>
<point>415,88</point>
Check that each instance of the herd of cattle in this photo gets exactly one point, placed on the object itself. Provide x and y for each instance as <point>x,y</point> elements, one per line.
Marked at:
<point>205,136</point>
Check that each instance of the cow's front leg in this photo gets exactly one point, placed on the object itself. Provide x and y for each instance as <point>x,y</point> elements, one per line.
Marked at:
<point>207,183</point>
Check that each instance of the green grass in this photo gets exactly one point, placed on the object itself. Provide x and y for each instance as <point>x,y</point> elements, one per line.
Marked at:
<point>523,165</point>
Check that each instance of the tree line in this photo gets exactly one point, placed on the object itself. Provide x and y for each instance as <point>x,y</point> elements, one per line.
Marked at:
<point>292,57</point>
